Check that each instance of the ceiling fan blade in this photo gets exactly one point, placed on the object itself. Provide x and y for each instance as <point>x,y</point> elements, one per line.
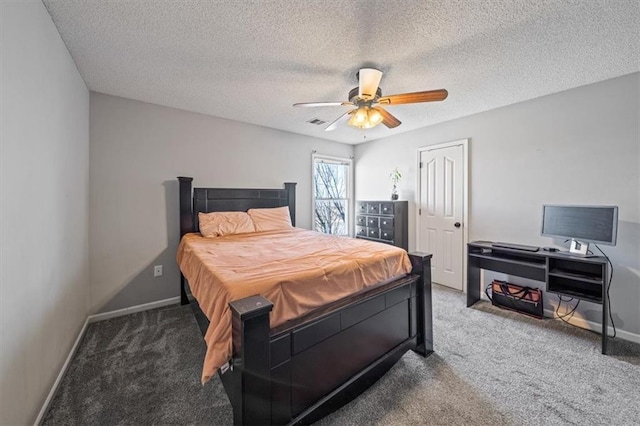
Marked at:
<point>387,118</point>
<point>335,123</point>
<point>322,104</point>
<point>415,97</point>
<point>369,80</point>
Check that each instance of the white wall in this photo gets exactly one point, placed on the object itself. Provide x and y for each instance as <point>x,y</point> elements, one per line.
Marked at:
<point>137,151</point>
<point>581,146</point>
<point>44,208</point>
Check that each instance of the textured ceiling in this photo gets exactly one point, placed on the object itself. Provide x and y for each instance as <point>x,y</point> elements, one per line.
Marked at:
<point>251,60</point>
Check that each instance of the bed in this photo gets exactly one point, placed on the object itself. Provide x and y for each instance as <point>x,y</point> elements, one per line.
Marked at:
<point>303,368</point>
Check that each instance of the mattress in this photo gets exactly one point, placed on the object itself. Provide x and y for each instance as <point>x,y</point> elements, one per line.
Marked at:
<point>296,269</point>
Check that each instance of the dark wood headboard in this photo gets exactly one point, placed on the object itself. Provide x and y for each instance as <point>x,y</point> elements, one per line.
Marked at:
<point>207,200</point>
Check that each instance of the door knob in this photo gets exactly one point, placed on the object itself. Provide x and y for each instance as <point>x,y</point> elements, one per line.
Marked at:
<point>457,224</point>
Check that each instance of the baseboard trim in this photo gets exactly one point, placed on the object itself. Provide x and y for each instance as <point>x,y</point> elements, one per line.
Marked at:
<point>63,370</point>
<point>594,326</point>
<point>133,309</point>
<point>90,319</point>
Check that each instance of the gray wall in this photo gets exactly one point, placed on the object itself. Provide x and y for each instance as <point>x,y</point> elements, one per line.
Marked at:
<point>43,209</point>
<point>137,151</point>
<point>576,147</point>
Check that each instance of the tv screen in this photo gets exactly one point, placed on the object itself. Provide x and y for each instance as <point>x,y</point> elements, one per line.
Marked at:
<point>589,224</point>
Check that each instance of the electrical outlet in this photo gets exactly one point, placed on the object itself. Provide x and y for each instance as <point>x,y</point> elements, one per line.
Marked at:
<point>157,271</point>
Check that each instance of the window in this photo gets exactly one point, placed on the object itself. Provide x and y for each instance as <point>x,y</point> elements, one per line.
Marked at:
<point>331,194</point>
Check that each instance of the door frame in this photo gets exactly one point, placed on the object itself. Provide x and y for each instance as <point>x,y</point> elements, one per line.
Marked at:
<point>465,198</point>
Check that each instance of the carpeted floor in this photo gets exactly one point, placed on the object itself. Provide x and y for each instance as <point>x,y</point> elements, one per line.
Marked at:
<point>491,367</point>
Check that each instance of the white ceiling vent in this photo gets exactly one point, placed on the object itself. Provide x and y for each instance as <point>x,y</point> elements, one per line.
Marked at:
<point>316,121</point>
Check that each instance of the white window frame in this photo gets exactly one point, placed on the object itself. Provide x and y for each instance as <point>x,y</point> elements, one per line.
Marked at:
<point>350,188</point>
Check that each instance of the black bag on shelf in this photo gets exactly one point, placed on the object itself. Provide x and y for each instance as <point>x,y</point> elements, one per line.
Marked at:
<point>525,300</point>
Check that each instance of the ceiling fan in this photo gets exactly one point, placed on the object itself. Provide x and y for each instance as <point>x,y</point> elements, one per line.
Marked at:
<point>367,97</point>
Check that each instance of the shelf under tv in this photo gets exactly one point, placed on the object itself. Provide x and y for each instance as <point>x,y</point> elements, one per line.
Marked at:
<point>582,278</point>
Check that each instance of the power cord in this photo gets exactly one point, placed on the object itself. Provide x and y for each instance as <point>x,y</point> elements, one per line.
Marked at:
<point>566,314</point>
<point>608,288</point>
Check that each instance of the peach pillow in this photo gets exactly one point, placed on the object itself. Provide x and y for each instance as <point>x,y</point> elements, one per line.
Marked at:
<point>270,219</point>
<point>217,224</point>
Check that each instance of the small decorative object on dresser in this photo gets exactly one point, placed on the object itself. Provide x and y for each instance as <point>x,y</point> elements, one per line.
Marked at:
<point>384,221</point>
<point>395,177</point>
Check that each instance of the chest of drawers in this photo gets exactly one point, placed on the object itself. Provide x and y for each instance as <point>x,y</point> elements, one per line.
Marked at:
<point>383,221</point>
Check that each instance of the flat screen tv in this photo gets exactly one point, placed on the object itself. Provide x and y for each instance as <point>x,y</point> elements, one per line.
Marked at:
<point>582,224</point>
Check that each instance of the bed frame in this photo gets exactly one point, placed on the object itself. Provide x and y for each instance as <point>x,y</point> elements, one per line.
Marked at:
<point>309,367</point>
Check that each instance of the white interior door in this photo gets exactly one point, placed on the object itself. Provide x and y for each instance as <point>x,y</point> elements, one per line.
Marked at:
<point>441,213</point>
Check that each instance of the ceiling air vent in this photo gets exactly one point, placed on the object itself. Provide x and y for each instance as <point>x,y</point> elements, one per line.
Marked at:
<point>316,121</point>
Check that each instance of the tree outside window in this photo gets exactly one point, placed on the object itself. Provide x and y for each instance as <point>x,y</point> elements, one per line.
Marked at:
<point>331,181</point>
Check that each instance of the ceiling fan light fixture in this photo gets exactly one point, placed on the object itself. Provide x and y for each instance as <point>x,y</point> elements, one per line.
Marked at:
<point>365,118</point>
<point>374,116</point>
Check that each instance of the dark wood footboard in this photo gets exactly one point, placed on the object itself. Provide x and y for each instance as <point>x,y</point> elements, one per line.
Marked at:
<point>302,372</point>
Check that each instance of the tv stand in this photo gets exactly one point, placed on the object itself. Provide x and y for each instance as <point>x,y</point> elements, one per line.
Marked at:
<point>583,278</point>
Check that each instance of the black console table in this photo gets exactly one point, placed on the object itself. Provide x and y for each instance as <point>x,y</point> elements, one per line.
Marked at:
<point>583,278</point>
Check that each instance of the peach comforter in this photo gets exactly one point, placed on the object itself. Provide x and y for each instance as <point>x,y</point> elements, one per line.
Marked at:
<point>298,270</point>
